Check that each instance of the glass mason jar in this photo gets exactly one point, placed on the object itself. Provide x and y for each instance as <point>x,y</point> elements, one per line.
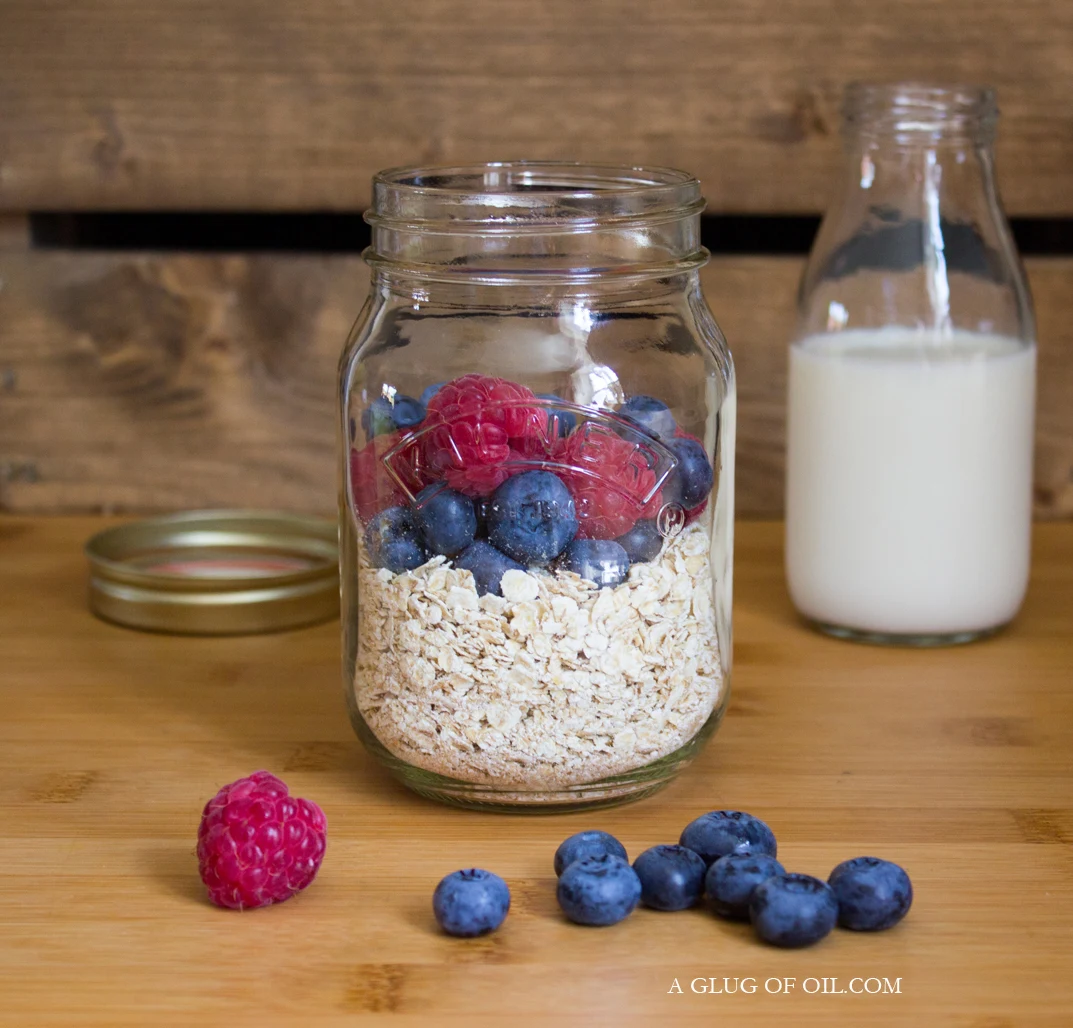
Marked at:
<point>537,506</point>
<point>912,383</point>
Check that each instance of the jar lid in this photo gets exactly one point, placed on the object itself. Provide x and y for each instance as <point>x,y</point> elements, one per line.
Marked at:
<point>216,572</point>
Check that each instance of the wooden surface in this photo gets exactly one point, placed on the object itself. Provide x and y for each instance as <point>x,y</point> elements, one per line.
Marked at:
<point>257,104</point>
<point>956,763</point>
<point>133,383</point>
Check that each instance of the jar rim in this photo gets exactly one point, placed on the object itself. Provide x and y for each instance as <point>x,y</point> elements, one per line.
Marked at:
<point>531,193</point>
<point>919,108</point>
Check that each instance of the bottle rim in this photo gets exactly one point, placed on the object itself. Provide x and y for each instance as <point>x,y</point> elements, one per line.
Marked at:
<point>509,222</point>
<point>915,110</point>
<point>521,196</point>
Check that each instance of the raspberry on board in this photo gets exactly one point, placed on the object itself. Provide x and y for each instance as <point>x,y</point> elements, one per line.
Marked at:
<point>258,845</point>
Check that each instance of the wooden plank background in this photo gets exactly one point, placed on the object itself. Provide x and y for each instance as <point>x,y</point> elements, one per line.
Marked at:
<point>139,382</point>
<point>134,381</point>
<point>259,104</point>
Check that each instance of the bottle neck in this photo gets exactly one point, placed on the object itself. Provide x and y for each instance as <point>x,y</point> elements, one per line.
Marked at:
<point>535,225</point>
<point>916,234</point>
<point>920,178</point>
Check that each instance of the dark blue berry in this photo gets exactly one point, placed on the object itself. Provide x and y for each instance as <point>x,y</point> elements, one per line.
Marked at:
<point>393,541</point>
<point>469,903</point>
<point>872,894</point>
<point>598,890</point>
<point>691,481</point>
<point>653,415</point>
<point>560,422</point>
<point>487,564</point>
<point>532,517</point>
<point>672,877</point>
<point>732,879</point>
<point>793,910</point>
<point>642,542</point>
<point>719,832</point>
<point>446,519</point>
<point>430,391</point>
<point>385,415</point>
<point>602,561</point>
<point>587,844</point>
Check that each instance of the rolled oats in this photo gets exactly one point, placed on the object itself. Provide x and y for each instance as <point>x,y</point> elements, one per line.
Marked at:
<point>554,683</point>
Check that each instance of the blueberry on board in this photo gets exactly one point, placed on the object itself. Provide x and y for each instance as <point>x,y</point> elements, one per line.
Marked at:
<point>393,541</point>
<point>560,422</point>
<point>430,391</point>
<point>642,542</point>
<point>653,415</point>
<point>385,415</point>
<point>872,894</point>
<point>672,877</point>
<point>793,910</point>
<point>691,481</point>
<point>598,890</point>
<point>602,561</point>
<point>719,832</point>
<point>487,564</point>
<point>446,519</point>
<point>731,881</point>
<point>532,517</point>
<point>587,844</point>
<point>469,903</point>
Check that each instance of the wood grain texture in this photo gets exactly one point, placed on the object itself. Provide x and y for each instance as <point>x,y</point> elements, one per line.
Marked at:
<point>140,383</point>
<point>260,104</point>
<point>956,763</point>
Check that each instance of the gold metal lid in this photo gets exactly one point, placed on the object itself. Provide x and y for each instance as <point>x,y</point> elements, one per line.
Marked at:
<point>216,572</point>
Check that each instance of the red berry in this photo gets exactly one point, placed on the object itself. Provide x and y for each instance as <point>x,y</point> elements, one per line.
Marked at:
<point>257,844</point>
<point>609,480</point>
<point>372,485</point>
<point>478,425</point>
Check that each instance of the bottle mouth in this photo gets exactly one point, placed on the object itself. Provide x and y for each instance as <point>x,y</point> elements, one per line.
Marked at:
<point>513,196</point>
<point>515,220</point>
<point>916,111</point>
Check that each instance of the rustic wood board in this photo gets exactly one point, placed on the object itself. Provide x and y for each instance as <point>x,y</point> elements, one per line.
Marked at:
<point>956,763</point>
<point>137,382</point>
<point>255,104</point>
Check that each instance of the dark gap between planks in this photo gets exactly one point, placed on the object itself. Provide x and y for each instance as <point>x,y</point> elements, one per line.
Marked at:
<point>332,232</point>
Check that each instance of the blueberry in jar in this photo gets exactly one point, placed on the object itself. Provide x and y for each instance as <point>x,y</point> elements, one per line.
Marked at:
<point>430,391</point>
<point>393,541</point>
<point>487,565</point>
<point>691,480</point>
<point>719,832</point>
<point>602,561</point>
<point>593,843</point>
<point>446,519</point>
<point>872,894</point>
<point>672,877</point>
<point>653,415</point>
<point>470,903</point>
<point>598,890</point>
<point>643,542</point>
<point>385,415</point>
<point>732,880</point>
<point>560,422</point>
<point>793,910</point>
<point>532,517</point>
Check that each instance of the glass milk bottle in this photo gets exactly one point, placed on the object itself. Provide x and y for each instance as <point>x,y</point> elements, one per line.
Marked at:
<point>912,383</point>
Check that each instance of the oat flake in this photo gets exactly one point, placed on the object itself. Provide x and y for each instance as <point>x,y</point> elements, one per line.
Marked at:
<point>555,683</point>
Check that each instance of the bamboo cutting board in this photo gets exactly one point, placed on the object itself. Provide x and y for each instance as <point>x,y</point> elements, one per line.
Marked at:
<point>956,763</point>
